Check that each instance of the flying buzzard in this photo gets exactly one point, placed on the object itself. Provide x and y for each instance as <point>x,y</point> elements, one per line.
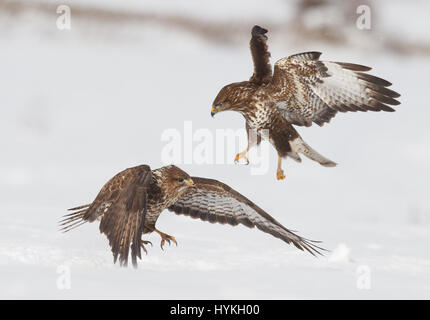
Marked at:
<point>302,90</point>
<point>130,203</point>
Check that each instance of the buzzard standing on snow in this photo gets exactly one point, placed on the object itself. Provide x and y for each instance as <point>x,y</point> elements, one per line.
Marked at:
<point>302,90</point>
<point>130,203</point>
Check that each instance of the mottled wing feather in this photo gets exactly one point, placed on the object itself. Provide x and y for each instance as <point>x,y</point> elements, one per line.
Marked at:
<point>305,89</point>
<point>121,207</point>
<point>260,56</point>
<point>216,202</point>
<point>124,221</point>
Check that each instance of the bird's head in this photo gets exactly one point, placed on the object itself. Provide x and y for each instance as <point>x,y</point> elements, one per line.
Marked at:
<point>177,179</point>
<point>232,97</point>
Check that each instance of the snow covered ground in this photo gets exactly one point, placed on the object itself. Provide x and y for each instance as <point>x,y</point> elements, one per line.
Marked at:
<point>78,106</point>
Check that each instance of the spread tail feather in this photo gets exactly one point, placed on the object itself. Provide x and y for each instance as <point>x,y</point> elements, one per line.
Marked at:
<point>299,146</point>
<point>75,219</point>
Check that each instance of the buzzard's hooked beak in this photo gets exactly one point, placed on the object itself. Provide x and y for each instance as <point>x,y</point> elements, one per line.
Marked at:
<point>191,183</point>
<point>213,111</point>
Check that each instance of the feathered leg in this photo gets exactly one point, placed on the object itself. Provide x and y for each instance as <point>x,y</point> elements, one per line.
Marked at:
<point>254,139</point>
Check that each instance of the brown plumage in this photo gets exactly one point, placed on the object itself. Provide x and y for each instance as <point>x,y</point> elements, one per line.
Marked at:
<point>130,203</point>
<point>302,90</point>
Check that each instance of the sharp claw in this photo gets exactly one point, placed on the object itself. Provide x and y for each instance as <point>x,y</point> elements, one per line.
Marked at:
<point>143,247</point>
<point>237,158</point>
<point>166,237</point>
<point>280,175</point>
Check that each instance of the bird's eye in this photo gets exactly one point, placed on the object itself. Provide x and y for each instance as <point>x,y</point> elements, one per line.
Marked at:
<point>181,179</point>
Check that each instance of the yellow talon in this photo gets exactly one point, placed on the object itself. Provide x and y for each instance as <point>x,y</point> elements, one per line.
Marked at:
<point>239,156</point>
<point>280,175</point>
<point>166,237</point>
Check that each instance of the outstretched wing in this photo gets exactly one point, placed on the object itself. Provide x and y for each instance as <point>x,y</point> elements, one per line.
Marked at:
<point>260,56</point>
<point>216,202</point>
<point>306,90</point>
<point>121,206</point>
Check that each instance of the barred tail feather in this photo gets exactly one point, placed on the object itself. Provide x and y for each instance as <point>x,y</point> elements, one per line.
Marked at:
<point>299,146</point>
<point>75,219</point>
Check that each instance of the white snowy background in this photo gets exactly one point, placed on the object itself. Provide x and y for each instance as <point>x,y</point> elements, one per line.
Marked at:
<point>79,105</point>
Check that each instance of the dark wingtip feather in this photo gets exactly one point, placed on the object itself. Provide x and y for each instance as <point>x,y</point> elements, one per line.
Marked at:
<point>385,99</point>
<point>314,55</point>
<point>373,79</point>
<point>311,55</point>
<point>353,66</point>
<point>257,30</point>
<point>381,97</point>
<point>375,104</point>
<point>382,90</point>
